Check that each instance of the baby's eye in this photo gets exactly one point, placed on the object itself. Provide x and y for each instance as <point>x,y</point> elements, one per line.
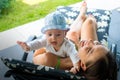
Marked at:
<point>49,34</point>
<point>58,34</point>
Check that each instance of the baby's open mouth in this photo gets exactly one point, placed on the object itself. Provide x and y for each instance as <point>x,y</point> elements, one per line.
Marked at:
<point>54,43</point>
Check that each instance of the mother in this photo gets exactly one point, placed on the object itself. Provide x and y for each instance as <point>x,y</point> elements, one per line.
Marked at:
<point>97,63</point>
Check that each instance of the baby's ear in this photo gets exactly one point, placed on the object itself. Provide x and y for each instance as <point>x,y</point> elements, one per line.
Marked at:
<point>65,32</point>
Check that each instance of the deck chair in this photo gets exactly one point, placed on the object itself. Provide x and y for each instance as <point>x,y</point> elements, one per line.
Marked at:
<point>23,70</point>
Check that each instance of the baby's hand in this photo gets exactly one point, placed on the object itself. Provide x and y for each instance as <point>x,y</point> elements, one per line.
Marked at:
<point>75,69</point>
<point>23,45</point>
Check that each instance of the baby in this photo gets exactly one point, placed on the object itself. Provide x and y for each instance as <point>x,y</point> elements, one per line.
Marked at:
<point>55,40</point>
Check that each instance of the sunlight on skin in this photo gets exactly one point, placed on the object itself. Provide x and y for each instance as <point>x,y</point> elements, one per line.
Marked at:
<point>33,2</point>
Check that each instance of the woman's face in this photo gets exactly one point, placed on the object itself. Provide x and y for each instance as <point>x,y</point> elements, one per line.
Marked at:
<point>91,51</point>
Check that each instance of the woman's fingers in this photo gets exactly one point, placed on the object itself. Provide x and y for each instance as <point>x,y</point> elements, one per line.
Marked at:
<point>85,42</point>
<point>81,43</point>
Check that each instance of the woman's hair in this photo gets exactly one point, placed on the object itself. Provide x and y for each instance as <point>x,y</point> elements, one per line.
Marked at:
<point>104,69</point>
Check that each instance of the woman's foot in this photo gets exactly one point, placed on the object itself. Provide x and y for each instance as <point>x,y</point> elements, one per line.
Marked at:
<point>83,10</point>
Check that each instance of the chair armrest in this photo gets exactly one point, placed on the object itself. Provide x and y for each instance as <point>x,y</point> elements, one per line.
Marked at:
<point>113,49</point>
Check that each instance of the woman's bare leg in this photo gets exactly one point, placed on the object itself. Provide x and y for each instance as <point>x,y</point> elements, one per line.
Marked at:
<point>76,25</point>
<point>75,29</point>
<point>89,28</point>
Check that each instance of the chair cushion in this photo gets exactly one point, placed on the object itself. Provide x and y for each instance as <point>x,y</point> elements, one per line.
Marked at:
<point>102,16</point>
<point>39,70</point>
<point>70,13</point>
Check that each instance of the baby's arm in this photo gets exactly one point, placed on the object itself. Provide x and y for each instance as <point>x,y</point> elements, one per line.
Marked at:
<point>75,68</point>
<point>23,45</point>
<point>33,45</point>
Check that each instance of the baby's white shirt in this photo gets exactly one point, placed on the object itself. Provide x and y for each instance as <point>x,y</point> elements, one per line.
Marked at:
<point>67,49</point>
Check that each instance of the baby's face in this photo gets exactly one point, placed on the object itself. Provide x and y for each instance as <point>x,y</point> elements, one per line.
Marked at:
<point>55,37</point>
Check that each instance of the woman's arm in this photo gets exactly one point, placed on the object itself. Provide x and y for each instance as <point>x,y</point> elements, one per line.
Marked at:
<point>51,60</point>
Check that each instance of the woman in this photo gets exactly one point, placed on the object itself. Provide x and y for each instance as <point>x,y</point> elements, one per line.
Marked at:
<point>96,61</point>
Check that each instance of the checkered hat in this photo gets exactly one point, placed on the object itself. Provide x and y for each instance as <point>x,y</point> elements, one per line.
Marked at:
<point>55,20</point>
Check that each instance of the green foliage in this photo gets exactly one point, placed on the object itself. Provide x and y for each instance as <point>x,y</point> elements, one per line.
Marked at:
<point>21,13</point>
<point>4,5</point>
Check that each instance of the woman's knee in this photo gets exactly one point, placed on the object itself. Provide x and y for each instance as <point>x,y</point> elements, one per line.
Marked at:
<point>90,20</point>
<point>91,23</point>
